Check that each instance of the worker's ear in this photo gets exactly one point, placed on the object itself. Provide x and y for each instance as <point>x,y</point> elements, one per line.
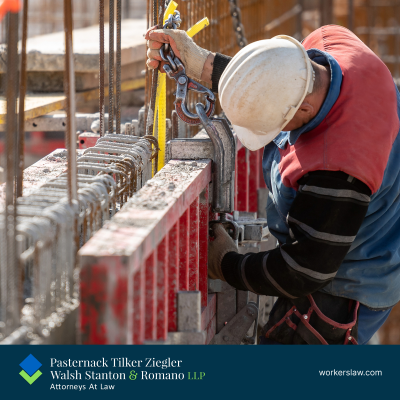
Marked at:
<point>305,111</point>
<point>304,114</point>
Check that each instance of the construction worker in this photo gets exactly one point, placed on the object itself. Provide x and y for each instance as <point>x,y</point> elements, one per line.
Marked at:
<point>327,114</point>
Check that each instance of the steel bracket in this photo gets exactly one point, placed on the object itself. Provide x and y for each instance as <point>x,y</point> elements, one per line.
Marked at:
<point>235,330</point>
<point>251,228</point>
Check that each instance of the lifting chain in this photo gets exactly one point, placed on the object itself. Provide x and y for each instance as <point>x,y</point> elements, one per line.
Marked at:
<point>238,27</point>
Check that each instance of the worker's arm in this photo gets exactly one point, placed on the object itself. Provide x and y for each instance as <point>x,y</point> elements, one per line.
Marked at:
<point>323,221</point>
<point>200,64</point>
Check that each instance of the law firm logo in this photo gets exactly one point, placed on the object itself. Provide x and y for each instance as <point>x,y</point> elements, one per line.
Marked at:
<point>30,369</point>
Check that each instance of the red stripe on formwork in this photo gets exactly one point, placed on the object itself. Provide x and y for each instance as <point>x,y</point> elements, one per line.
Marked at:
<point>151,297</point>
<point>194,245</point>
<point>173,276</point>
<point>162,289</point>
<point>138,309</point>
<point>184,231</point>
<point>242,177</point>
<point>254,178</point>
<point>204,210</point>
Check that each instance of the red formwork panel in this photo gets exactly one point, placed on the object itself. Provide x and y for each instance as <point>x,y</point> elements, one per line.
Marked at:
<point>131,271</point>
<point>165,253</point>
<point>88,139</point>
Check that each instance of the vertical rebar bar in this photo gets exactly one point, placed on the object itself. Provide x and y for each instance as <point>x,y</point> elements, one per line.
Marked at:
<point>69,88</point>
<point>111,71</point>
<point>21,113</point>
<point>101,67</point>
<point>12,151</point>
<point>118,77</point>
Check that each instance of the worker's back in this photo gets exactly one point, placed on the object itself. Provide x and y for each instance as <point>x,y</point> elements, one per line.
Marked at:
<point>359,136</point>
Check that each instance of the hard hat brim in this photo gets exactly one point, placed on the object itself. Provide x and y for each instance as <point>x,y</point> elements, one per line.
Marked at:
<point>252,141</point>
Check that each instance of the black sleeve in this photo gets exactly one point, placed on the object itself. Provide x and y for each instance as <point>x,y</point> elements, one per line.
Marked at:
<point>220,63</point>
<point>323,222</point>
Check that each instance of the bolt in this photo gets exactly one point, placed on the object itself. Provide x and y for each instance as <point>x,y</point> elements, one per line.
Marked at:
<point>226,338</point>
<point>350,338</point>
<point>182,80</point>
<point>305,316</point>
<point>250,312</point>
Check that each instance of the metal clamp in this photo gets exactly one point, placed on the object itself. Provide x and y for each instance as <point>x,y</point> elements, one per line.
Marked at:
<point>224,160</point>
<point>230,226</point>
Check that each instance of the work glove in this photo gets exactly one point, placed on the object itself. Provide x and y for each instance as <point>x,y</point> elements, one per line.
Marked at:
<point>192,56</point>
<point>221,245</point>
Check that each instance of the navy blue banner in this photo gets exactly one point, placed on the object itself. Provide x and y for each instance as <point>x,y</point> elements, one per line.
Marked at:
<point>198,372</point>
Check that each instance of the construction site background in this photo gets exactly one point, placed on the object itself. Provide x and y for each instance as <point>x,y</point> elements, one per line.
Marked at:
<point>375,22</point>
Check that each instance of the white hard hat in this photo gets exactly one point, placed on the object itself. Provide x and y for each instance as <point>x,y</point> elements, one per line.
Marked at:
<point>263,86</point>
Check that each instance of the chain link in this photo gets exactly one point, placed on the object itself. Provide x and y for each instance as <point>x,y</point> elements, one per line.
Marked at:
<point>238,27</point>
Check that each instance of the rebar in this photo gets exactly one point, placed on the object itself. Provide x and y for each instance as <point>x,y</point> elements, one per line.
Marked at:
<point>69,88</point>
<point>22,91</point>
<point>12,305</point>
<point>101,67</point>
<point>118,77</point>
<point>108,176</point>
<point>111,70</point>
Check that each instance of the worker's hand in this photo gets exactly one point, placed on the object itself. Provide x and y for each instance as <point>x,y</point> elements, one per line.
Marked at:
<point>192,56</point>
<point>221,245</point>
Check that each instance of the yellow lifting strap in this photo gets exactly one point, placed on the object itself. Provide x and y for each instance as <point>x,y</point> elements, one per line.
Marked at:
<point>161,99</point>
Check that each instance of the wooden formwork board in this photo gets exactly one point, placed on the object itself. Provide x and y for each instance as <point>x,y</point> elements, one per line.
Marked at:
<point>37,105</point>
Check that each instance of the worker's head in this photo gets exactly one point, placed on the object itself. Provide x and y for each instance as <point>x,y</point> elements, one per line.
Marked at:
<point>269,86</point>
